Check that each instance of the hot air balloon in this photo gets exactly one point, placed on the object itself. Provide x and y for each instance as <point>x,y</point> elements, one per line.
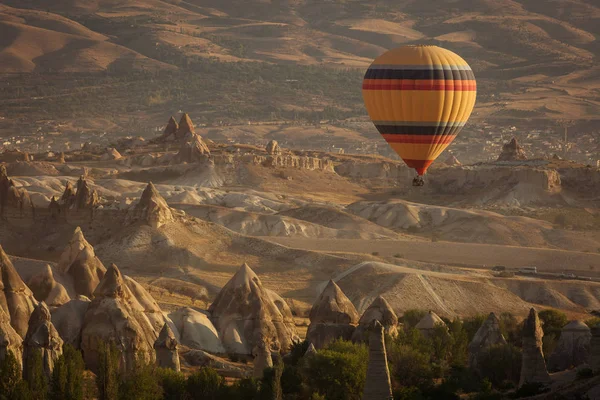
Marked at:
<point>419,98</point>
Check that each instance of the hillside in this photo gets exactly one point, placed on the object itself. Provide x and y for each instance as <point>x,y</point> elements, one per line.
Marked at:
<point>300,60</point>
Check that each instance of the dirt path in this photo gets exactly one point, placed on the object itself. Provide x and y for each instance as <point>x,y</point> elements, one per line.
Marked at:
<point>460,254</point>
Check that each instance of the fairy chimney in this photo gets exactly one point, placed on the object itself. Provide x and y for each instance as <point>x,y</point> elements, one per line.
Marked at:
<point>379,310</point>
<point>487,335</point>
<point>185,126</point>
<point>332,316</point>
<point>429,323</point>
<point>273,148</point>
<point>166,349</point>
<point>533,369</point>
<point>9,339</point>
<point>512,151</point>
<point>573,347</point>
<point>152,208</point>
<point>42,338</point>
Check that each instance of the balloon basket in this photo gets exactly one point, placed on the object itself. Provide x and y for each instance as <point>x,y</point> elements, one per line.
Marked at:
<point>418,181</point>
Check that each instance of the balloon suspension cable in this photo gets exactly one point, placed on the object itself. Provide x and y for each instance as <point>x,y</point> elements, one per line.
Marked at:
<point>418,181</point>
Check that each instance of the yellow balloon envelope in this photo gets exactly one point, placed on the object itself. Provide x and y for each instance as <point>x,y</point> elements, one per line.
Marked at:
<point>419,98</point>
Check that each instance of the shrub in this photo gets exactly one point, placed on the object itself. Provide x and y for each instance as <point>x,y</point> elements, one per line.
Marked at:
<point>204,384</point>
<point>270,388</point>
<point>585,373</point>
<point>173,383</point>
<point>398,255</point>
<point>338,372</point>
<point>410,368</point>
<point>10,376</point>
<point>500,363</point>
<point>530,389</point>
<point>375,253</point>
<point>141,383</point>
<point>412,317</point>
<point>67,376</point>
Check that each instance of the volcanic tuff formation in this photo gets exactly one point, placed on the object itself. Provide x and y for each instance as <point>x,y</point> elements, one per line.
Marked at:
<point>377,384</point>
<point>245,314</point>
<point>79,261</point>
<point>41,337</point>
<point>170,130</point>
<point>273,148</point>
<point>573,347</point>
<point>85,197</point>
<point>332,316</point>
<point>595,348</point>
<point>487,335</point>
<point>11,196</point>
<point>262,359</point>
<point>533,369</point>
<point>152,208</point>
<point>379,310</point>
<point>115,316</point>
<point>111,154</point>
<point>185,126</point>
<point>195,330</point>
<point>15,297</point>
<point>429,322</point>
<point>68,320</point>
<point>512,151</point>
<point>166,349</point>
<point>149,305</point>
<point>193,149</point>
<point>46,289</point>
<point>9,338</point>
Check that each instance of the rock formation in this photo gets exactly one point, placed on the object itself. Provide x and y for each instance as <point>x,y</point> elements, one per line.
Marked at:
<point>452,161</point>
<point>46,289</point>
<point>9,338</point>
<point>533,368</point>
<point>166,349</point>
<point>115,316</point>
<point>428,323</point>
<point>68,320</point>
<point>332,316</point>
<point>151,308</point>
<point>573,347</point>
<point>377,385</point>
<point>111,154</point>
<point>11,196</point>
<point>262,359</point>
<point>487,335</point>
<point>61,158</point>
<point>512,151</point>
<point>41,337</point>
<point>273,148</point>
<point>185,126</point>
<point>54,207</point>
<point>193,149</point>
<point>152,208</point>
<point>85,197</point>
<point>245,314</point>
<point>79,261</point>
<point>15,297</point>
<point>195,330</point>
<point>379,310</point>
<point>67,200</point>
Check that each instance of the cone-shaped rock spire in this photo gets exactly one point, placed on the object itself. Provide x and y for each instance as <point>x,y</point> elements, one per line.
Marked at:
<point>573,348</point>
<point>42,338</point>
<point>533,368</point>
<point>166,349</point>
<point>332,316</point>
<point>487,335</point>
<point>153,208</point>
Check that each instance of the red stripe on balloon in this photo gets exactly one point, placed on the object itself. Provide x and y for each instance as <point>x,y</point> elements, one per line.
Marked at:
<point>419,139</point>
<point>420,86</point>
<point>420,165</point>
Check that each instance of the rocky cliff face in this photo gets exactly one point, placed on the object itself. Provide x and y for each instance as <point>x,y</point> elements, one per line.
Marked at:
<point>68,320</point>
<point>11,197</point>
<point>273,148</point>
<point>16,299</point>
<point>45,288</point>
<point>151,308</point>
<point>245,315</point>
<point>533,369</point>
<point>195,330</point>
<point>374,170</point>
<point>332,316</point>
<point>115,316</point>
<point>192,150</point>
<point>78,260</point>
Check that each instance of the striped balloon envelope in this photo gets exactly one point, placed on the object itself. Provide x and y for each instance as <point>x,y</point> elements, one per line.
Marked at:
<point>419,98</point>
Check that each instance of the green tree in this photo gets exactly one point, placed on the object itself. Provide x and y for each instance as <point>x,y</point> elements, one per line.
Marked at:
<point>412,317</point>
<point>459,343</point>
<point>36,376</point>
<point>410,368</point>
<point>10,376</point>
<point>500,363</point>
<point>108,376</point>
<point>270,388</point>
<point>245,389</point>
<point>141,383</point>
<point>472,325</point>
<point>67,376</point>
<point>173,384</point>
<point>204,384</point>
<point>338,372</point>
<point>552,323</point>
<point>511,328</point>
